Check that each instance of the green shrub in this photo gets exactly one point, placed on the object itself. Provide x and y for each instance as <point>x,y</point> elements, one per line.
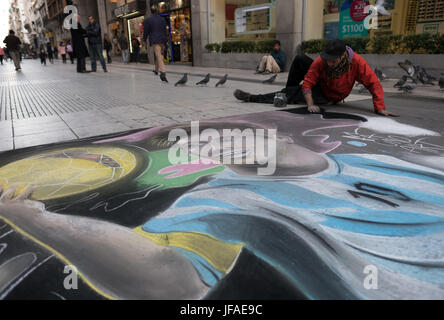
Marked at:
<point>359,45</point>
<point>264,46</point>
<point>213,47</point>
<point>227,46</point>
<point>385,44</point>
<point>313,46</point>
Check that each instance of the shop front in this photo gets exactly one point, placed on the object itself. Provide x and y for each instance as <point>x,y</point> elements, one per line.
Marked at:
<point>132,16</point>
<point>177,14</point>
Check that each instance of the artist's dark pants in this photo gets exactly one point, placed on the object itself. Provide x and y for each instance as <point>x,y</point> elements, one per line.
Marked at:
<point>71,57</point>
<point>293,90</point>
<point>1,59</point>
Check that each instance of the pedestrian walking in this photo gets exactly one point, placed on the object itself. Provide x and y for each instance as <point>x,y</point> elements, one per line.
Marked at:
<point>70,51</point>
<point>94,35</point>
<point>50,52</point>
<point>2,54</point>
<point>62,51</point>
<point>155,28</point>
<point>136,48</point>
<point>107,44</point>
<point>43,56</point>
<point>124,47</point>
<point>13,44</point>
<point>80,51</point>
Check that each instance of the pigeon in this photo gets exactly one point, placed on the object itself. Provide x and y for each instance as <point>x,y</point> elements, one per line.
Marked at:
<point>424,77</point>
<point>401,82</point>
<point>222,81</point>
<point>380,6</point>
<point>182,81</point>
<point>408,87</point>
<point>404,80</point>
<point>204,81</point>
<point>381,75</point>
<point>408,67</point>
<point>427,74</point>
<point>441,81</point>
<point>271,80</point>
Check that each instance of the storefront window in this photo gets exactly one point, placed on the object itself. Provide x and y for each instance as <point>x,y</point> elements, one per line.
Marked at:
<point>241,20</point>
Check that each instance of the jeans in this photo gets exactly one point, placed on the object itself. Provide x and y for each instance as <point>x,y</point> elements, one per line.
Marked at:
<point>96,52</point>
<point>125,55</point>
<point>293,90</point>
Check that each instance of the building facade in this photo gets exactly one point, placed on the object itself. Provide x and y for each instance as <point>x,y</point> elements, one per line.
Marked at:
<point>18,19</point>
<point>192,24</point>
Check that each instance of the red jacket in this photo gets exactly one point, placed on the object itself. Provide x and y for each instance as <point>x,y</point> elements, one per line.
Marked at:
<point>338,89</point>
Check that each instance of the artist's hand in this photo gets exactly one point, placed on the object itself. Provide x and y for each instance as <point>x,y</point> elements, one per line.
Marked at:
<point>17,196</point>
<point>314,109</point>
<point>387,113</point>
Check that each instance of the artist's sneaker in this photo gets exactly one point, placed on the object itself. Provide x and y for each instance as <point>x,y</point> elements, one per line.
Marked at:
<point>242,95</point>
<point>280,100</point>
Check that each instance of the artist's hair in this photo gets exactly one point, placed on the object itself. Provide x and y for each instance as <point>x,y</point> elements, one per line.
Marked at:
<point>153,9</point>
<point>11,32</point>
<point>275,42</point>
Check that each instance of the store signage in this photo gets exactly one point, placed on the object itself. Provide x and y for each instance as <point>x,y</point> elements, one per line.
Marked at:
<point>351,21</point>
<point>130,8</point>
<point>254,19</point>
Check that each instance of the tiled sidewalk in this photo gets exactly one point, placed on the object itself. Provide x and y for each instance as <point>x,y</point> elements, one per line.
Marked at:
<point>250,76</point>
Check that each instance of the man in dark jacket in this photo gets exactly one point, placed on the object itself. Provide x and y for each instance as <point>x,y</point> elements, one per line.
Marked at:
<point>94,34</point>
<point>79,47</point>
<point>155,27</point>
<point>13,44</point>
<point>275,62</point>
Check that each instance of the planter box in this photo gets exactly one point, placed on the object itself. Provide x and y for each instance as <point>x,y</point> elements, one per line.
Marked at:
<point>247,61</point>
<point>388,63</point>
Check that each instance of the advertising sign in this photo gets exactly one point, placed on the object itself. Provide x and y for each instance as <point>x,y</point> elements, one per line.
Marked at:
<point>351,21</point>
